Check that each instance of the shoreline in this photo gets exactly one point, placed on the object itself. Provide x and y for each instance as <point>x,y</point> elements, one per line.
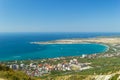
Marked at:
<point>80,40</point>
<point>107,42</point>
<point>105,45</point>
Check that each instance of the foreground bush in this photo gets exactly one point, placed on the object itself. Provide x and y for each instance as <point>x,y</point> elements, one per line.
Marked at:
<point>9,74</point>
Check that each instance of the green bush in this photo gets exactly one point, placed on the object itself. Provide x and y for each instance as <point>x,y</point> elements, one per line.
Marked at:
<point>9,74</point>
<point>115,77</point>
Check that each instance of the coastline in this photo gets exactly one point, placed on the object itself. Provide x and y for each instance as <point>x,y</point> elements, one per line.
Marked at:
<point>103,41</point>
<point>107,47</point>
<point>78,41</point>
<point>105,50</point>
<point>90,61</point>
<point>81,40</point>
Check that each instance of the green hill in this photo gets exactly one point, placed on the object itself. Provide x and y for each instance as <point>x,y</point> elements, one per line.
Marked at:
<point>9,74</point>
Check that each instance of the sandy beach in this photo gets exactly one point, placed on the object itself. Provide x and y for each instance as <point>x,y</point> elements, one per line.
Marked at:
<point>75,41</point>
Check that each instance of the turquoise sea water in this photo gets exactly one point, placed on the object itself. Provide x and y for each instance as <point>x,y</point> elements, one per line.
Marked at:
<point>16,46</point>
<point>59,50</point>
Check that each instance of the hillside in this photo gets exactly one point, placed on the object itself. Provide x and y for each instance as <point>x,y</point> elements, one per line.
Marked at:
<point>9,74</point>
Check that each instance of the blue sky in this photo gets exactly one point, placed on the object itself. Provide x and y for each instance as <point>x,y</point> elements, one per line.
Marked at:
<point>59,15</point>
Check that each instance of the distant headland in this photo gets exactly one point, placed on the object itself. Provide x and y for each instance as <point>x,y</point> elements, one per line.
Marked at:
<point>105,40</point>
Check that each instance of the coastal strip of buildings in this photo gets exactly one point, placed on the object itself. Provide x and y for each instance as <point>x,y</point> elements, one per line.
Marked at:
<point>39,69</point>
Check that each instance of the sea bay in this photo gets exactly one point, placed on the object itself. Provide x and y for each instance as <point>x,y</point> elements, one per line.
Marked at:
<point>16,46</point>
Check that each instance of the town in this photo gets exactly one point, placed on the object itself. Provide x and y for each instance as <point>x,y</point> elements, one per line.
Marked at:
<point>39,69</point>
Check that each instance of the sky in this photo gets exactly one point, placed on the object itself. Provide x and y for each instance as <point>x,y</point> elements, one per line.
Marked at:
<point>59,15</point>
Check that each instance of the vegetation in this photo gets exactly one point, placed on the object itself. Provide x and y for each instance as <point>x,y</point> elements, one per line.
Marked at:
<point>101,66</point>
<point>9,74</point>
<point>115,77</point>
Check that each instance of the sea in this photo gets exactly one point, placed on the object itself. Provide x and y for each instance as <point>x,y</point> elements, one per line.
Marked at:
<point>16,46</point>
